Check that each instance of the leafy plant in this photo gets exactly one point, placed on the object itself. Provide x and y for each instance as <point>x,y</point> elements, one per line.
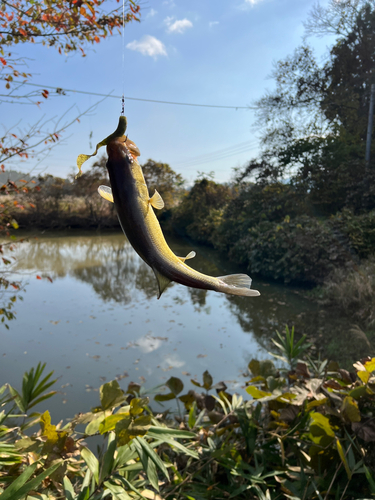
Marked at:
<point>302,435</point>
<point>290,350</point>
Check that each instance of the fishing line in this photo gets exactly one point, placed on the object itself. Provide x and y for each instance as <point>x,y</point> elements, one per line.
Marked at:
<point>123,60</point>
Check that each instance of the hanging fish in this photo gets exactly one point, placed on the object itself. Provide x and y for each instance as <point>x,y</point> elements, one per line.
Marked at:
<point>135,210</point>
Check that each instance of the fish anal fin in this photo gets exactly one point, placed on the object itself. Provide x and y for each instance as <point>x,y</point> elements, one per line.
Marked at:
<point>162,280</point>
<point>106,193</point>
<point>190,255</point>
<point>156,201</point>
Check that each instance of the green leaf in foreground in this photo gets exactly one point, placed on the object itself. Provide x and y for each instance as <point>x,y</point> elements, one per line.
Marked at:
<point>18,489</point>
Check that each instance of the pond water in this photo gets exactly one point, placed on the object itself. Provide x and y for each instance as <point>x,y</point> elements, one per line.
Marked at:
<point>100,319</point>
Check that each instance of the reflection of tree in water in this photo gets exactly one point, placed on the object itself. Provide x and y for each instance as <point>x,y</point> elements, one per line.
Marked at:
<point>61,255</point>
<point>276,308</point>
<point>145,280</point>
<point>261,316</point>
<point>112,281</point>
<point>198,298</point>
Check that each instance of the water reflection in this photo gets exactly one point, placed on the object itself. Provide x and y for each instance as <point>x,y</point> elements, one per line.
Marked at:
<point>109,265</point>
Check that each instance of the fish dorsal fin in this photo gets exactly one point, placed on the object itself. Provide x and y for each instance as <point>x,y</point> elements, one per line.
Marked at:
<point>106,193</point>
<point>190,255</point>
<point>162,280</point>
<point>156,201</point>
<point>237,280</point>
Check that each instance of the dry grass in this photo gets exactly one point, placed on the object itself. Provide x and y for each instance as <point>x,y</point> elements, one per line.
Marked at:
<point>353,291</point>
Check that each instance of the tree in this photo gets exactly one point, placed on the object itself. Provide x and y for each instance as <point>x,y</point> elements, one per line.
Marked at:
<point>166,181</point>
<point>333,97</point>
<point>200,212</point>
<point>315,120</point>
<point>69,26</point>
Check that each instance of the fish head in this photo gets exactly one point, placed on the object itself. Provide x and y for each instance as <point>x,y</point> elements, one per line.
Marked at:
<point>121,146</point>
<point>116,148</point>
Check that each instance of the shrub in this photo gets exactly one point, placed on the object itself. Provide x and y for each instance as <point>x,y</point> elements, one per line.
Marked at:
<point>254,204</point>
<point>302,250</point>
<point>200,212</point>
<point>358,229</point>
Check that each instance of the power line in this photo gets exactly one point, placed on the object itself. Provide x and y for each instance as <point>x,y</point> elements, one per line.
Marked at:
<point>60,90</point>
<point>218,155</point>
<point>213,159</point>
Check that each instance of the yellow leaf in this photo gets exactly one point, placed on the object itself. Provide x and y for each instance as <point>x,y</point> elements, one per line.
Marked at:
<point>48,430</point>
<point>349,409</point>
<point>256,393</point>
<point>370,365</point>
<point>343,458</point>
<point>316,402</point>
<point>320,425</point>
<point>364,376</point>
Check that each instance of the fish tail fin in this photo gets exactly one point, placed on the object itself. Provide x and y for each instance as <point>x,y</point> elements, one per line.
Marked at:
<point>237,284</point>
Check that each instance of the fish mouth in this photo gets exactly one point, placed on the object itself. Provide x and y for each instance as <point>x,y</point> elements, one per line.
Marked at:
<point>133,148</point>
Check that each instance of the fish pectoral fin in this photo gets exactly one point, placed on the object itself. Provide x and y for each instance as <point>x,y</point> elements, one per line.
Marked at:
<point>156,201</point>
<point>106,193</point>
<point>240,284</point>
<point>190,255</point>
<point>162,280</point>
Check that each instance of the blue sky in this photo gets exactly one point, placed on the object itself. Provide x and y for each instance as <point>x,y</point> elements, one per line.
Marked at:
<point>214,52</point>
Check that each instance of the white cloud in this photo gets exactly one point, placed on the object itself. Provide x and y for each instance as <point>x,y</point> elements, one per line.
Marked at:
<point>148,46</point>
<point>148,343</point>
<point>177,26</point>
<point>152,13</point>
<point>253,2</point>
<point>169,3</point>
<point>213,23</point>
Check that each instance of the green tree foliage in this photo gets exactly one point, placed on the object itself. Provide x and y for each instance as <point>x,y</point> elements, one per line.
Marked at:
<point>165,180</point>
<point>349,75</point>
<point>256,203</point>
<point>199,213</point>
<point>316,118</point>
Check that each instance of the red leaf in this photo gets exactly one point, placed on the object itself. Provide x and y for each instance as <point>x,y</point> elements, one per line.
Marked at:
<point>38,277</point>
<point>3,61</point>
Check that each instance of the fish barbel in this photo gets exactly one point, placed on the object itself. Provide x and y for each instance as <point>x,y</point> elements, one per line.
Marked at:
<point>135,210</point>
